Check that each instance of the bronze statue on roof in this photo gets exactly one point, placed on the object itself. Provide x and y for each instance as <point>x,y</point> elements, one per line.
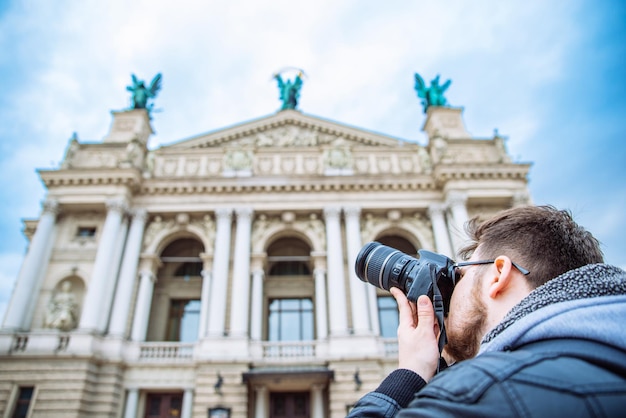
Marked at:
<point>433,95</point>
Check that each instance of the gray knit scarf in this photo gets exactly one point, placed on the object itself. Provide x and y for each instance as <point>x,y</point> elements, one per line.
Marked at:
<point>593,280</point>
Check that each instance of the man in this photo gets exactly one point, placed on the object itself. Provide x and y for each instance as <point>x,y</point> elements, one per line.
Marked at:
<point>537,327</point>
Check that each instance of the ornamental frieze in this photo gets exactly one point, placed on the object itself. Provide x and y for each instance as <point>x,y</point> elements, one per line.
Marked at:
<point>418,225</point>
<point>332,161</point>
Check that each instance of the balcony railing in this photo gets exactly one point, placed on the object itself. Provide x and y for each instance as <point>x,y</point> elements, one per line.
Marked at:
<point>166,351</point>
<point>67,344</point>
<point>288,350</point>
<point>390,346</point>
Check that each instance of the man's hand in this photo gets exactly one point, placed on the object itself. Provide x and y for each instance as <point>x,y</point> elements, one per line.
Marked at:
<point>417,335</point>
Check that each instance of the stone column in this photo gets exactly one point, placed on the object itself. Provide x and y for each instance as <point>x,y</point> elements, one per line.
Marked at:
<point>336,280</point>
<point>256,304</point>
<point>457,202</point>
<point>19,313</point>
<point>240,297</point>
<point>128,274</point>
<point>372,299</point>
<point>321,318</point>
<point>147,278</point>
<point>317,401</point>
<point>207,279</point>
<point>92,307</point>
<point>111,284</point>
<point>132,400</point>
<point>262,405</point>
<point>217,306</point>
<point>358,291</point>
<point>440,231</point>
<point>187,404</point>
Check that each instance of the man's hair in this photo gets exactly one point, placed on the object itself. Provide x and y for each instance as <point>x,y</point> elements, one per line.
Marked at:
<point>542,239</point>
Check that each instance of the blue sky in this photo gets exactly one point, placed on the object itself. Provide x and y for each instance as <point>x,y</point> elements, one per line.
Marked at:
<point>549,75</point>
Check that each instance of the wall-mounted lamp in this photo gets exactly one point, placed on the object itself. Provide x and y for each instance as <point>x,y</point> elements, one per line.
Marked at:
<point>218,384</point>
<point>357,380</point>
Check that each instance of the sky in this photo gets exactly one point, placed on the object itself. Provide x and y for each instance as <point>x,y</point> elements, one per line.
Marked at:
<point>549,75</point>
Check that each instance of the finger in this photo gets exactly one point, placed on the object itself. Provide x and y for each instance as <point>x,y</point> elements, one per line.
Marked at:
<point>405,313</point>
<point>425,313</point>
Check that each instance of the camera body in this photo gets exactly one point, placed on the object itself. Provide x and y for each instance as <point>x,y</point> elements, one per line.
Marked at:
<point>385,267</point>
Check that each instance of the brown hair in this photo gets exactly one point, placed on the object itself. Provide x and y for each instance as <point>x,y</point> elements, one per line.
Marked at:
<point>542,239</point>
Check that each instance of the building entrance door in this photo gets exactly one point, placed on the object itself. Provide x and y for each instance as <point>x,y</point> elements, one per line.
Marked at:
<point>163,405</point>
<point>289,405</point>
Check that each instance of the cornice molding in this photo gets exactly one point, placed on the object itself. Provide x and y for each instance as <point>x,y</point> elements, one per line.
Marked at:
<point>176,188</point>
<point>444,173</point>
<point>61,178</point>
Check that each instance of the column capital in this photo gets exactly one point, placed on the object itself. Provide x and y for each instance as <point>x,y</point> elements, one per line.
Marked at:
<point>456,197</point>
<point>258,271</point>
<point>436,209</point>
<point>140,214</point>
<point>319,270</point>
<point>244,212</point>
<point>150,262</point>
<point>520,198</point>
<point>332,212</point>
<point>352,211</point>
<point>147,273</point>
<point>51,206</point>
<point>223,213</point>
<point>118,204</point>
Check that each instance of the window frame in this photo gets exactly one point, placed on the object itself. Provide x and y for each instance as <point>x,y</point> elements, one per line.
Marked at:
<point>13,400</point>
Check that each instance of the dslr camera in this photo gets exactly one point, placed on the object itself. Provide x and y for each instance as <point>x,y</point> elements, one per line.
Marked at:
<point>432,274</point>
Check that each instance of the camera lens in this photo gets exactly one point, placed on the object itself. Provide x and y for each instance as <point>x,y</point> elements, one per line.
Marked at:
<point>382,266</point>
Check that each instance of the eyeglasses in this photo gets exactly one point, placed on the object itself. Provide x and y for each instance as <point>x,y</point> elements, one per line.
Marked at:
<point>477,262</point>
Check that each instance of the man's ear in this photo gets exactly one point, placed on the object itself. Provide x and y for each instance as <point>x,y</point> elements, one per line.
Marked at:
<point>502,278</point>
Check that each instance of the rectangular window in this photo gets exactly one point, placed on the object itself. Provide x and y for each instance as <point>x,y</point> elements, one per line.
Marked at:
<point>183,321</point>
<point>388,316</point>
<point>163,405</point>
<point>22,403</point>
<point>86,231</point>
<point>290,320</point>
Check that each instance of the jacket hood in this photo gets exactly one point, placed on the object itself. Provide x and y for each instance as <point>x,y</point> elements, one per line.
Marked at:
<point>585,303</point>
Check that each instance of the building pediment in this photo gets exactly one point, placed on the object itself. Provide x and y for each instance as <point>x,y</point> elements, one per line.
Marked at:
<point>288,128</point>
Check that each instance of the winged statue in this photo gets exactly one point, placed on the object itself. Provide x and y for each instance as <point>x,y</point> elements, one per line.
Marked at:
<point>289,91</point>
<point>433,95</point>
<point>141,93</point>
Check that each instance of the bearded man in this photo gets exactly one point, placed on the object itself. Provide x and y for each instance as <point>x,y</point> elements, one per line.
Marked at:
<point>535,328</point>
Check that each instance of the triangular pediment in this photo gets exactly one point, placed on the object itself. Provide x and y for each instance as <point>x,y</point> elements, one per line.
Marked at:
<point>288,128</point>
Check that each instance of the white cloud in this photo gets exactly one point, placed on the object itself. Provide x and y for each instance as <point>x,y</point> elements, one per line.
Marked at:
<point>66,67</point>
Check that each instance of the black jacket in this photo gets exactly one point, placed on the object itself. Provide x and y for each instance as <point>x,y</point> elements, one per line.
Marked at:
<point>554,378</point>
<point>561,352</point>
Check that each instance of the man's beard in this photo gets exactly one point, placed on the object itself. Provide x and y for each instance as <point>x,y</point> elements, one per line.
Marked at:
<point>464,340</point>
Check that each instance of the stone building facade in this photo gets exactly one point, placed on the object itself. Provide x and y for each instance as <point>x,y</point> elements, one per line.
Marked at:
<point>216,275</point>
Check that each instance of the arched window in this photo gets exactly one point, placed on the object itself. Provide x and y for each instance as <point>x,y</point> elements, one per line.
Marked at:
<point>289,292</point>
<point>289,257</point>
<point>175,312</point>
<point>183,258</point>
<point>387,306</point>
